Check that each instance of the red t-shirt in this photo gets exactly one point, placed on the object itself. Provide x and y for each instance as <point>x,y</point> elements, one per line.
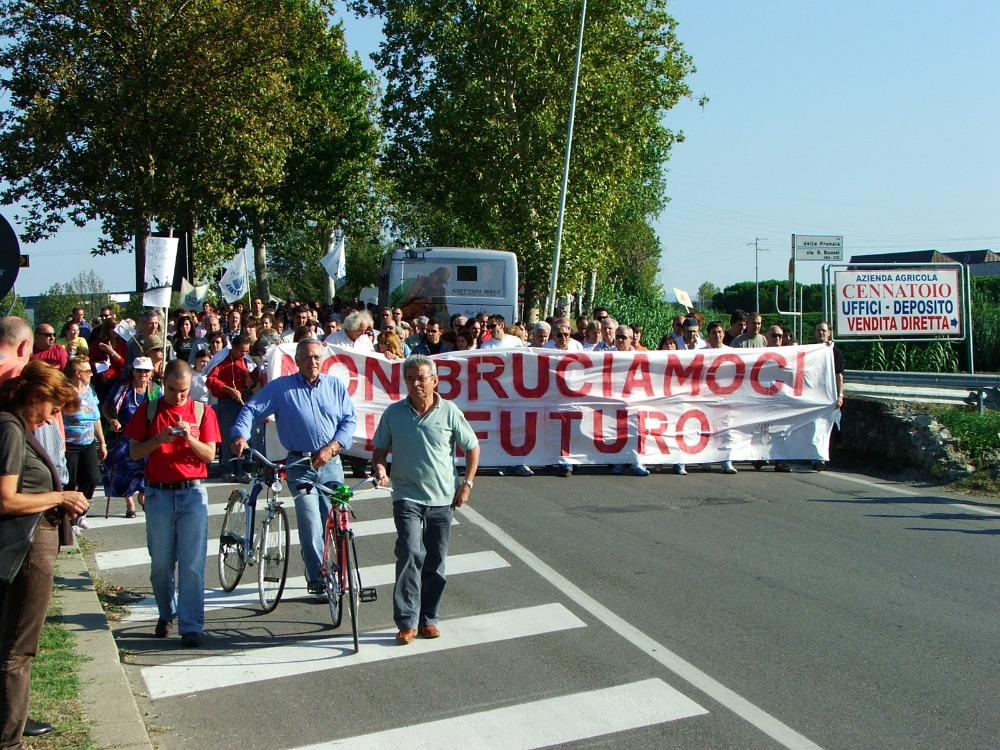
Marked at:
<point>174,462</point>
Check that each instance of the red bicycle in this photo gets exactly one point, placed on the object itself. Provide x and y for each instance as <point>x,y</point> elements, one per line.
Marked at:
<point>341,573</point>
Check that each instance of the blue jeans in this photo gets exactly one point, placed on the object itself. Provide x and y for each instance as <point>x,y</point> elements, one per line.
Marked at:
<point>227,410</point>
<point>176,536</point>
<point>311,511</point>
<point>422,538</point>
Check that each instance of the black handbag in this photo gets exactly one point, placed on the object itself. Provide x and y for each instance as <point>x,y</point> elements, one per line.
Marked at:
<point>17,532</point>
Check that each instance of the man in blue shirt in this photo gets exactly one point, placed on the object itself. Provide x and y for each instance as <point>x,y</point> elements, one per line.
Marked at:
<point>315,418</point>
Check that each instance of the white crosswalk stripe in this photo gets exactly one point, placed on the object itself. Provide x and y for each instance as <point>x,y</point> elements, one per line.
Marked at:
<point>244,667</point>
<point>544,723</point>
<point>245,595</point>
<point>124,558</point>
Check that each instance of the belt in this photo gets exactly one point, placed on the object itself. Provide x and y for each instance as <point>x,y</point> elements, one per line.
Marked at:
<point>185,485</point>
<point>301,454</point>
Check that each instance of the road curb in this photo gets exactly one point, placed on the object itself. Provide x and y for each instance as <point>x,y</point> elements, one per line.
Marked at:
<point>106,695</point>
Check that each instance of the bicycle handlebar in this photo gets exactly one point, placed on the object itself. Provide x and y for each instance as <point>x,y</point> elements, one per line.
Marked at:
<point>263,460</point>
<point>333,491</point>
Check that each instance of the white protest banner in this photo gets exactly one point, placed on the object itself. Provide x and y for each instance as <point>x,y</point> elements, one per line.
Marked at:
<point>537,407</point>
<point>161,255</point>
<point>193,297</point>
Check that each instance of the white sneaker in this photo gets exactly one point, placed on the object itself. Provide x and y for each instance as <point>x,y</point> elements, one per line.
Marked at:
<point>728,468</point>
<point>679,470</point>
<point>82,522</point>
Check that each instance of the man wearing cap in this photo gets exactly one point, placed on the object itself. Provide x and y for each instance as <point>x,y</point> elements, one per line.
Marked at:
<point>45,347</point>
<point>691,337</point>
<point>179,443</point>
<point>316,419</point>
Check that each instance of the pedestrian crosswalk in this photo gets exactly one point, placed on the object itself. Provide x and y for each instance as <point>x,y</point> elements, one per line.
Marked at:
<point>275,655</point>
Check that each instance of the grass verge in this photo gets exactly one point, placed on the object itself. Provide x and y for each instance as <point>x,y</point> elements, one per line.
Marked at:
<point>55,685</point>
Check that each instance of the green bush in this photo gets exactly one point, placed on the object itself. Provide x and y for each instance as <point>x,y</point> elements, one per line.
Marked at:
<point>978,434</point>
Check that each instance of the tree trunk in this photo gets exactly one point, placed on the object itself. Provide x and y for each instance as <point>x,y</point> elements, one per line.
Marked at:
<point>141,233</point>
<point>260,260</point>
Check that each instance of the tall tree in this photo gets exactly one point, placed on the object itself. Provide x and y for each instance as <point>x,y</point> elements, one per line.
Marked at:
<point>706,294</point>
<point>476,111</point>
<point>125,111</point>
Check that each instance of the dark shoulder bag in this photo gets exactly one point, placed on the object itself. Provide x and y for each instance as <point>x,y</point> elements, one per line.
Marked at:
<point>17,532</point>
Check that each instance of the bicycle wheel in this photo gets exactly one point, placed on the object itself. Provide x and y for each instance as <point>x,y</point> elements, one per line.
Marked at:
<point>353,587</point>
<point>232,541</point>
<point>272,565</point>
<point>331,575</point>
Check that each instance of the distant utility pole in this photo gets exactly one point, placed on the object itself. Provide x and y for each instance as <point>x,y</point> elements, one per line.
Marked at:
<point>756,266</point>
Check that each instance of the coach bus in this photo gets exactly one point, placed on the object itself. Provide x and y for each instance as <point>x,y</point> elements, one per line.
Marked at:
<point>443,281</point>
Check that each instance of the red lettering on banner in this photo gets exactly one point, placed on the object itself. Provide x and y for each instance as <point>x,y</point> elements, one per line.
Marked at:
<point>348,363</point>
<point>541,378</point>
<point>692,372</point>
<point>703,431</point>
<point>564,364</point>
<point>566,419</point>
<point>739,372</point>
<point>607,370</point>
<point>799,381</point>
<point>755,381</point>
<point>386,373</point>
<point>530,434</point>
<point>621,431</point>
<point>646,418</point>
<point>449,375</point>
<point>638,377</point>
<point>371,423</point>
<point>479,416</point>
<point>476,373</point>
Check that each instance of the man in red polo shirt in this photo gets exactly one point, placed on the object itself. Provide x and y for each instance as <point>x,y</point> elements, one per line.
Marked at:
<point>179,436</point>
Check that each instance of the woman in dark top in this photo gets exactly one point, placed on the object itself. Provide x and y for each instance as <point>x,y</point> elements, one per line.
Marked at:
<point>29,484</point>
<point>183,338</point>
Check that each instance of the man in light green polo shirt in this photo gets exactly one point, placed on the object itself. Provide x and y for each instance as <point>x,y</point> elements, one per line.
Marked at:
<point>422,431</point>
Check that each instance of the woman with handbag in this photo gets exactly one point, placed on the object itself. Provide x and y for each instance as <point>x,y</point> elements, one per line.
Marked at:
<point>29,490</point>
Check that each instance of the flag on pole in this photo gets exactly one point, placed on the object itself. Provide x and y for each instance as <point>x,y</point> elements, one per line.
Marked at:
<point>193,297</point>
<point>161,252</point>
<point>236,279</point>
<point>683,297</point>
<point>335,262</point>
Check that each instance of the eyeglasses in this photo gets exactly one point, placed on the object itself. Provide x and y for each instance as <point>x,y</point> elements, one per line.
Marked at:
<point>563,335</point>
<point>622,336</point>
<point>776,335</point>
<point>47,334</point>
<point>603,317</point>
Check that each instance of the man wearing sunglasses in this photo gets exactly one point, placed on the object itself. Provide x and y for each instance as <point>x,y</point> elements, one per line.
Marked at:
<point>562,338</point>
<point>45,347</point>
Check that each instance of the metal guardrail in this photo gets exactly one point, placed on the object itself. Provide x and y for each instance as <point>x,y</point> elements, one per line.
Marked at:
<point>936,387</point>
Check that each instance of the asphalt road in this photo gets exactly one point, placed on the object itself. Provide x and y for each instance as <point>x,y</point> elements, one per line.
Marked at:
<point>758,610</point>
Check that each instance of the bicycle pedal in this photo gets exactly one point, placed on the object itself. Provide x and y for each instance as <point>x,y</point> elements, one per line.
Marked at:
<point>271,579</point>
<point>228,538</point>
<point>369,594</point>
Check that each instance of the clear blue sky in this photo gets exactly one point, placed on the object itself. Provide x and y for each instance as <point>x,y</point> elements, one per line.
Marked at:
<point>872,120</point>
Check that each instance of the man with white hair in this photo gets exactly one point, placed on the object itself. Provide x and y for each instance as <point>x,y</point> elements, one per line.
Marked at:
<point>357,332</point>
<point>562,338</point>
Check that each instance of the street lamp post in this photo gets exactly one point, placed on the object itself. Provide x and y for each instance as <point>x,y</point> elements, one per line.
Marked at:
<point>550,307</point>
<point>756,267</point>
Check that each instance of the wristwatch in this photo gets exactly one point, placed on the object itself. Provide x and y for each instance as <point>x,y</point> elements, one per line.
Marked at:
<point>467,483</point>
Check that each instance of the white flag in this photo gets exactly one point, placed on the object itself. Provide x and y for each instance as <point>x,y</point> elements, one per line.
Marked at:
<point>683,297</point>
<point>236,279</point>
<point>193,297</point>
<point>335,262</point>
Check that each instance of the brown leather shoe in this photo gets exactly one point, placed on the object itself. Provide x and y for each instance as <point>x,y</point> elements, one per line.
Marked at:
<point>406,635</point>
<point>430,631</point>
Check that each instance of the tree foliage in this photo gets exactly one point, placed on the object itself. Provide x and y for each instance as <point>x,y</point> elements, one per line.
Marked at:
<point>170,109</point>
<point>476,109</point>
<point>706,294</point>
<point>87,290</point>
